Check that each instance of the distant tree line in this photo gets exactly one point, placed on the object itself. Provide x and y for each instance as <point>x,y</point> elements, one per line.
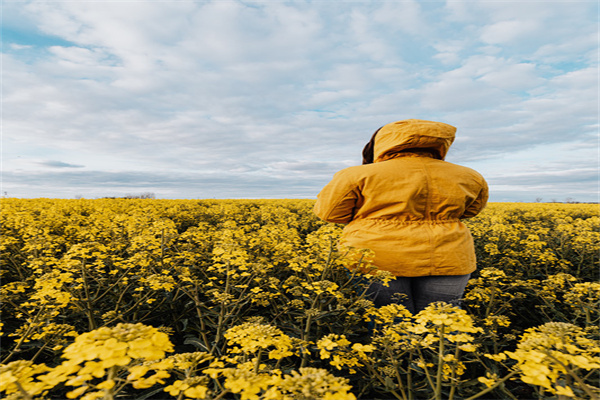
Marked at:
<point>568,200</point>
<point>145,195</point>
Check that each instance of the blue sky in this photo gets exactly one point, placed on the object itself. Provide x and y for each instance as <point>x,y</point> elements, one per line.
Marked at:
<point>268,99</point>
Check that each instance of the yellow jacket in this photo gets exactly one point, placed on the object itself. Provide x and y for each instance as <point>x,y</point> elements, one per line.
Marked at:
<point>407,205</point>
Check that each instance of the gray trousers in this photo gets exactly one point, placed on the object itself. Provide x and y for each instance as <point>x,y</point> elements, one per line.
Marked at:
<point>419,291</point>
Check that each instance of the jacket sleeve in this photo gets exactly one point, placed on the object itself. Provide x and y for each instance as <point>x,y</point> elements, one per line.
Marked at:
<point>479,203</point>
<point>337,200</point>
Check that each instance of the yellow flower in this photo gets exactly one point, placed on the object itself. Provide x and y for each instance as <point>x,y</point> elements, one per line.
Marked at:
<point>159,282</point>
<point>315,383</point>
<point>185,361</point>
<point>362,349</point>
<point>497,320</point>
<point>468,347</point>
<point>388,314</point>
<point>329,342</point>
<point>251,337</point>
<point>121,348</point>
<point>337,347</point>
<point>176,387</point>
<point>215,369</point>
<point>496,357</point>
<point>455,319</point>
<point>452,368</point>
<point>22,373</point>
<point>456,325</point>
<point>107,384</point>
<point>73,394</point>
<point>94,395</point>
<point>245,382</point>
<point>489,380</point>
<point>564,391</point>
<point>144,383</point>
<point>548,353</point>
<point>196,392</point>
<point>118,345</point>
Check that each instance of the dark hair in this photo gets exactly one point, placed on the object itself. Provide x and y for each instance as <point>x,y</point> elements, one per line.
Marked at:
<point>367,153</point>
<point>420,150</point>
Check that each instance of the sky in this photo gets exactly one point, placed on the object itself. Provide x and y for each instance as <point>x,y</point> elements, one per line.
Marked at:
<point>268,99</point>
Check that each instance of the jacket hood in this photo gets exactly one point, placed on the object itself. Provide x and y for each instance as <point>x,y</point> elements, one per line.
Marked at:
<point>413,134</point>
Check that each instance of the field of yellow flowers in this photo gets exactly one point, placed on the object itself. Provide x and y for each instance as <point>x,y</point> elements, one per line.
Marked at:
<point>253,299</point>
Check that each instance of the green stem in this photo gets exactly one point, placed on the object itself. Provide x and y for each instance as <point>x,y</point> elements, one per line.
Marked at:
<point>222,312</point>
<point>453,380</point>
<point>494,386</point>
<point>37,354</point>
<point>305,335</point>
<point>427,374</point>
<point>24,336</point>
<point>108,290</point>
<point>409,383</point>
<point>220,396</point>
<point>24,393</point>
<point>88,301</point>
<point>438,378</point>
<point>108,393</point>
<point>162,248</point>
<point>329,256</point>
<point>398,376</point>
<point>257,362</point>
<point>197,305</point>
<point>578,379</point>
<point>488,309</point>
<point>374,373</point>
<point>306,332</point>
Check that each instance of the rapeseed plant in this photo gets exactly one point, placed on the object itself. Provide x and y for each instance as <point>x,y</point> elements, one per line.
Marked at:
<point>254,338</point>
<point>97,361</point>
<point>18,379</point>
<point>584,299</point>
<point>558,358</point>
<point>213,273</point>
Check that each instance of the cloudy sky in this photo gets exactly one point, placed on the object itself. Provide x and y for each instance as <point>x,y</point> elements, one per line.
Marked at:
<point>268,99</point>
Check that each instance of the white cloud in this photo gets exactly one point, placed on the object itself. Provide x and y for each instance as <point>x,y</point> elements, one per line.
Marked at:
<point>17,47</point>
<point>508,31</point>
<point>513,76</point>
<point>263,92</point>
<point>449,52</point>
<point>404,16</point>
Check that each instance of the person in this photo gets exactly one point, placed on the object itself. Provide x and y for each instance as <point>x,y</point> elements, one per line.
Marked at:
<point>405,203</point>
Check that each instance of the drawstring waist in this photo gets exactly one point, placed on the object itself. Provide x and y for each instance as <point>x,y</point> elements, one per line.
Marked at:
<point>410,222</point>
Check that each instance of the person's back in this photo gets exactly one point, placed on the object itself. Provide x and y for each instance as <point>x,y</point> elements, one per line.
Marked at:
<point>406,206</point>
